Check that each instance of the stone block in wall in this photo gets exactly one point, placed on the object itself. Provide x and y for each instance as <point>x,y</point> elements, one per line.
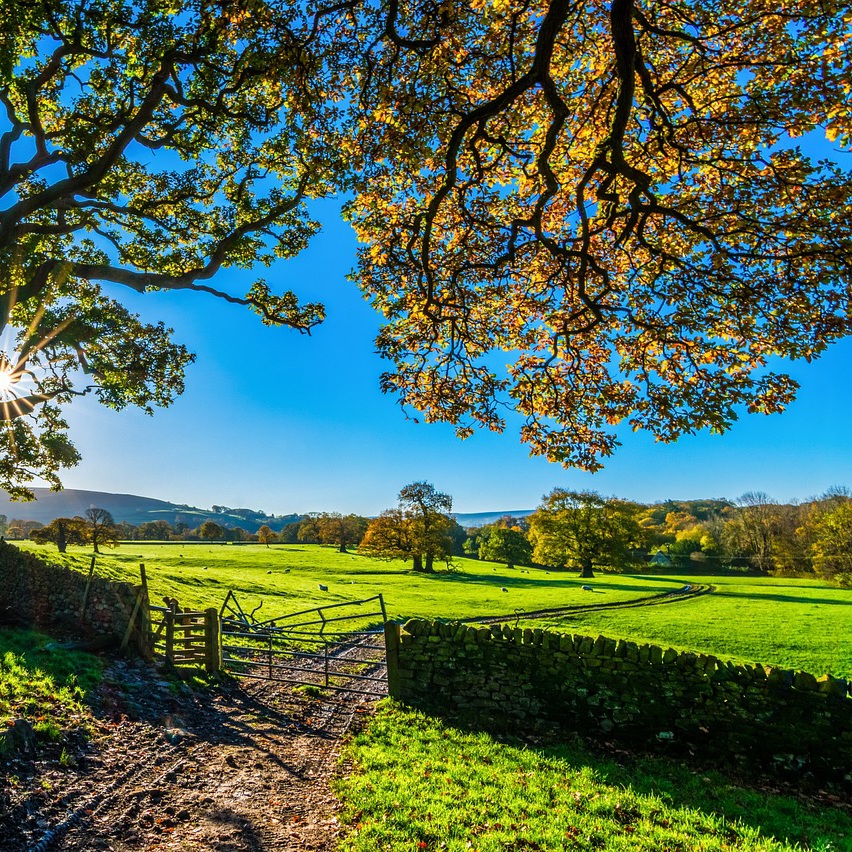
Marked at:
<point>832,686</point>
<point>805,681</point>
<point>415,627</point>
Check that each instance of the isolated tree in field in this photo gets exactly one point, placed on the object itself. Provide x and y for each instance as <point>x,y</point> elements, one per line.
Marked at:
<point>426,509</point>
<point>342,530</point>
<point>506,545</point>
<point>102,529</point>
<point>210,531</point>
<point>582,529</point>
<point>830,535</point>
<point>418,529</point>
<point>62,532</point>
<point>265,535</point>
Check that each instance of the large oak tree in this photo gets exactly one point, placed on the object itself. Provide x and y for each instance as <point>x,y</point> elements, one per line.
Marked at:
<point>606,195</point>
<point>609,198</point>
<point>582,529</point>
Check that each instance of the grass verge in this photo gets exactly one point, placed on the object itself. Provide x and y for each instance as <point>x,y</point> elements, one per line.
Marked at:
<point>46,684</point>
<point>416,783</point>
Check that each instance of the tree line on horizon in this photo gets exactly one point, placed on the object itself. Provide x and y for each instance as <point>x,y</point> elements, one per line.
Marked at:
<point>572,530</point>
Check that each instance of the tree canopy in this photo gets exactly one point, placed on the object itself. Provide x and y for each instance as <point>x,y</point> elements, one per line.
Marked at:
<point>583,529</point>
<point>505,545</point>
<point>145,149</point>
<point>62,532</point>
<point>101,528</point>
<point>341,530</point>
<point>610,195</point>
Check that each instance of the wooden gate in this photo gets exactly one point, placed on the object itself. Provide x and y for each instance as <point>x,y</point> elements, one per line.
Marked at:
<point>335,647</point>
<point>186,637</point>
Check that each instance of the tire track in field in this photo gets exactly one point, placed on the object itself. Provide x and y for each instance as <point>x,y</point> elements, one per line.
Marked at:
<point>688,592</point>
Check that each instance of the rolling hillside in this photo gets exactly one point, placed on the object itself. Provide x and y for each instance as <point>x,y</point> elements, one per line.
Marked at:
<point>130,508</point>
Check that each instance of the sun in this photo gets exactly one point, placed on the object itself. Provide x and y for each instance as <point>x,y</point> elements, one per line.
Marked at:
<point>8,378</point>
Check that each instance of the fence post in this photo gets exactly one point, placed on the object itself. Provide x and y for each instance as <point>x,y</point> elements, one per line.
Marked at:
<point>87,589</point>
<point>170,632</point>
<point>392,631</point>
<point>146,642</point>
<point>212,641</point>
<point>137,608</point>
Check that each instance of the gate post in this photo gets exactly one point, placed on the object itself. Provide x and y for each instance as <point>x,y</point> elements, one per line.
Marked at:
<point>392,631</point>
<point>212,641</point>
<point>170,632</point>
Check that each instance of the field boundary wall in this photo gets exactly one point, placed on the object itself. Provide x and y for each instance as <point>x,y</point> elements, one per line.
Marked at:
<point>34,593</point>
<point>749,717</point>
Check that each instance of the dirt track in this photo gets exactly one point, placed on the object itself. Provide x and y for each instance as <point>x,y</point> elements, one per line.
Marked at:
<point>242,767</point>
<point>687,592</point>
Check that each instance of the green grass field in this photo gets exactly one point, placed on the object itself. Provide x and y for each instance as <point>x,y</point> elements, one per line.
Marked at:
<point>416,783</point>
<point>801,624</point>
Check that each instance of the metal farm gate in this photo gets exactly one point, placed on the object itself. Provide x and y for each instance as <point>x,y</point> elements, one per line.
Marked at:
<point>338,647</point>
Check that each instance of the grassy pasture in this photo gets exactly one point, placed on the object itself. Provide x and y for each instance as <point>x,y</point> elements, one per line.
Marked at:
<point>200,575</point>
<point>417,783</point>
<point>779,621</point>
<point>802,624</point>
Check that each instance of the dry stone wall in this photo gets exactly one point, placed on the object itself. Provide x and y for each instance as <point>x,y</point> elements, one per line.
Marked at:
<point>753,717</point>
<point>50,597</point>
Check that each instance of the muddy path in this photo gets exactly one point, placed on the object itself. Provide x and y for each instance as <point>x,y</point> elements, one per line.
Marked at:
<point>686,593</point>
<point>242,766</point>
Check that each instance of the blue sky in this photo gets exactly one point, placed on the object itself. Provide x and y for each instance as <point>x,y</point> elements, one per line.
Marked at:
<point>284,422</point>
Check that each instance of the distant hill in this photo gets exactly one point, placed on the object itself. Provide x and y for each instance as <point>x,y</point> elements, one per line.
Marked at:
<point>132,509</point>
<point>481,519</point>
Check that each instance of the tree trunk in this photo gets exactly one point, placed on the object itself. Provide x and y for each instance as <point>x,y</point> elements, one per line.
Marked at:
<point>586,571</point>
<point>342,548</point>
<point>509,566</point>
<point>430,568</point>
<point>418,562</point>
<point>61,542</point>
<point>95,543</point>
